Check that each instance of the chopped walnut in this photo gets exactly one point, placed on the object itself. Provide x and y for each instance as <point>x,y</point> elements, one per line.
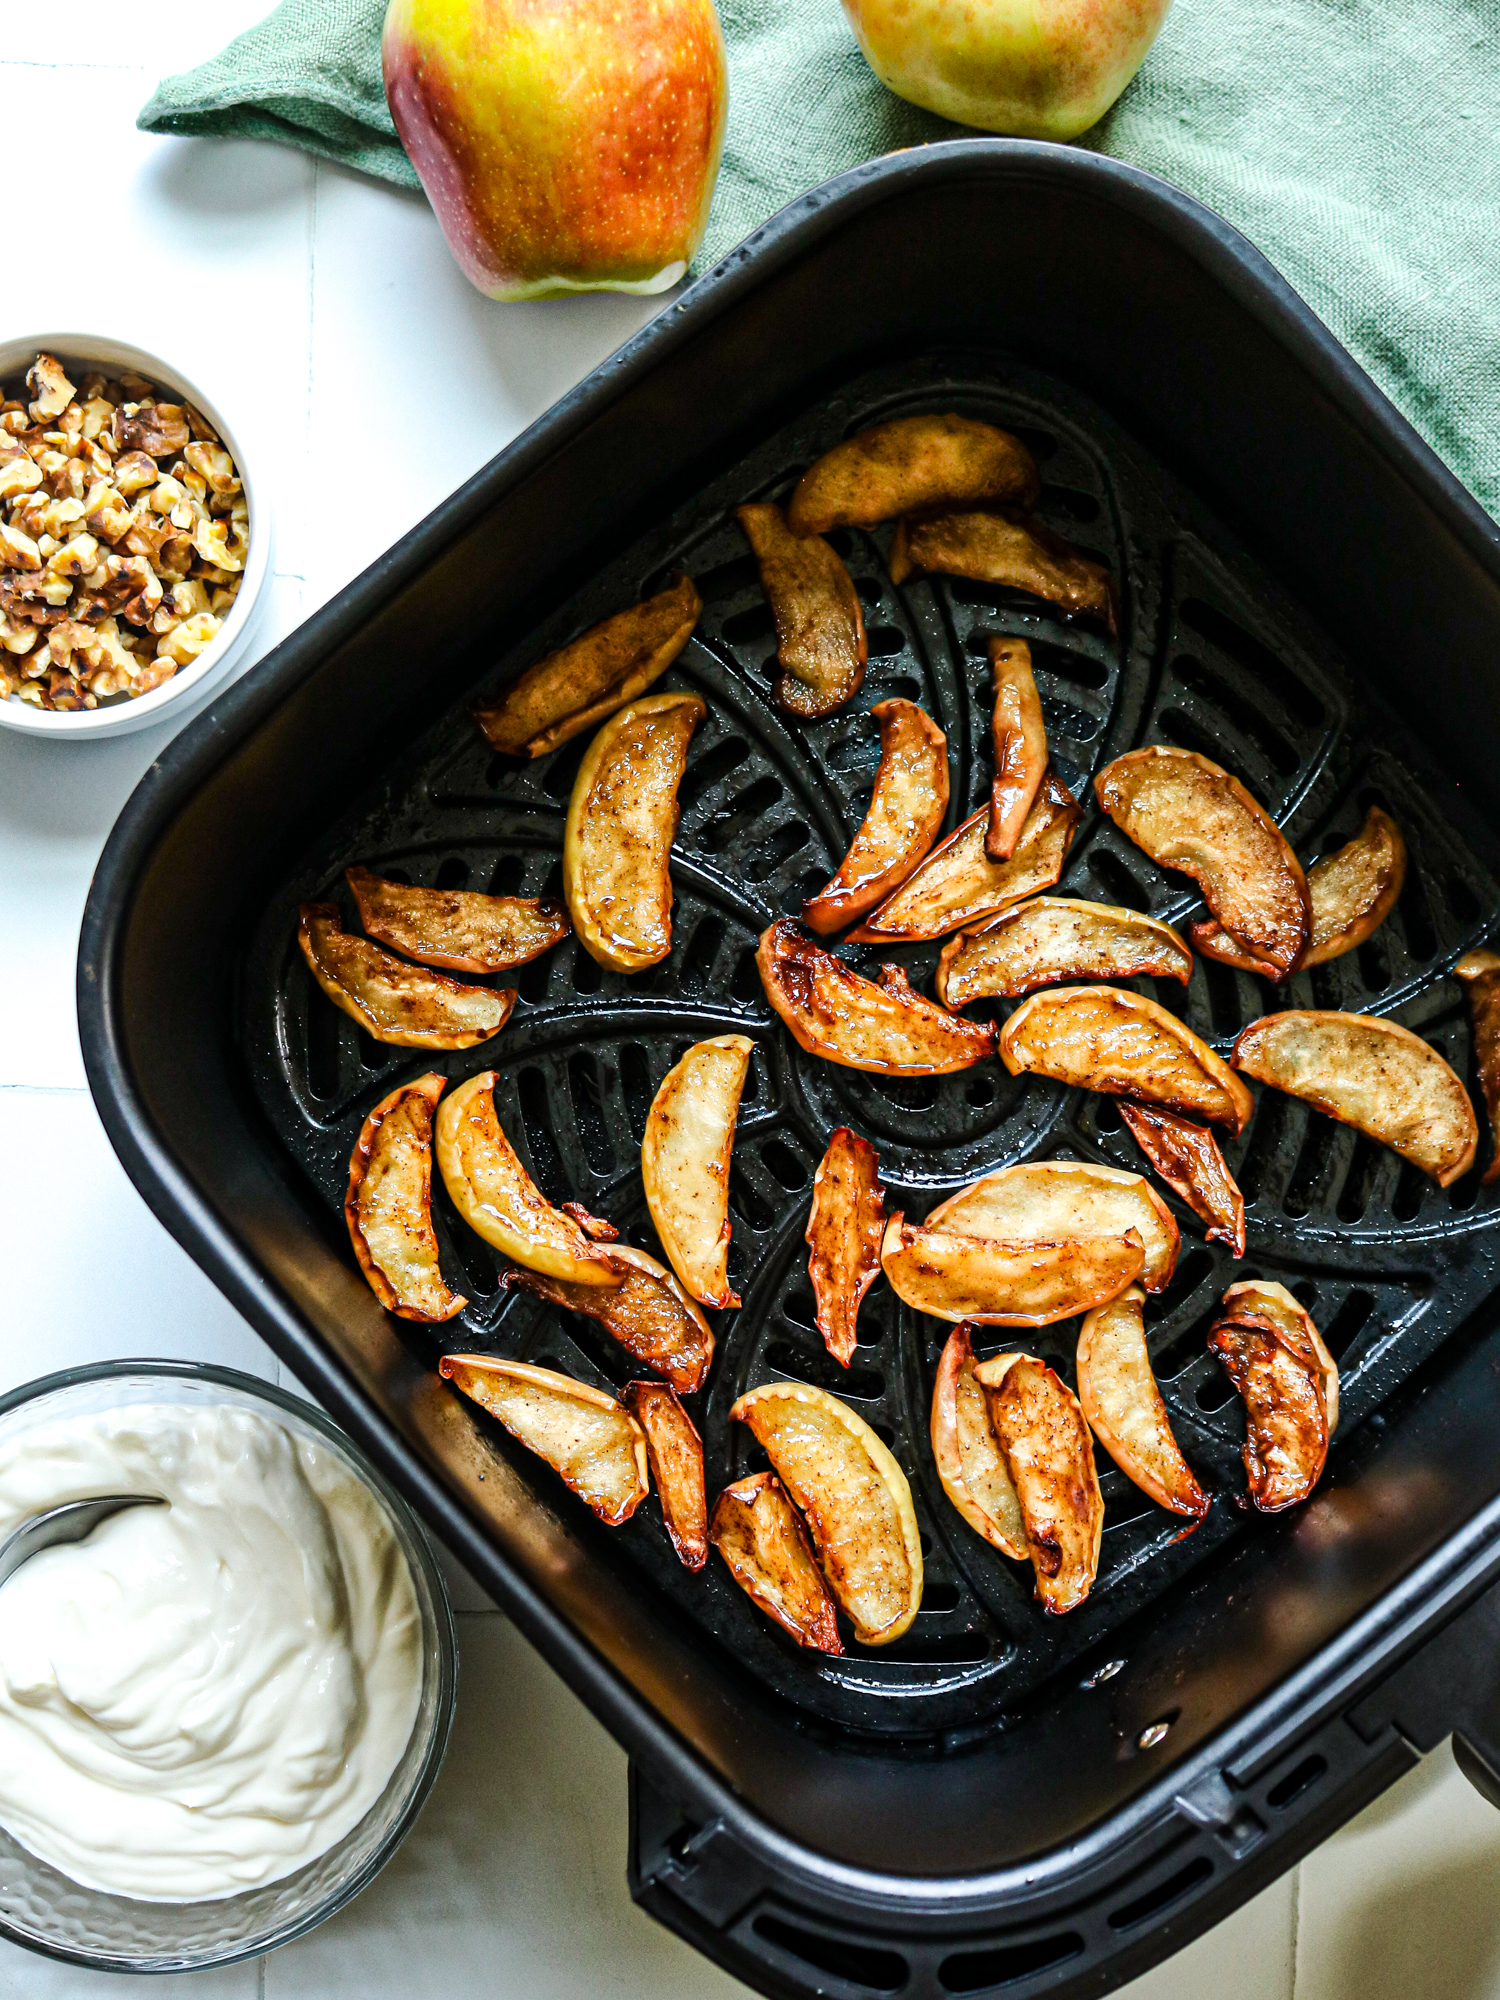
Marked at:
<point>187,640</point>
<point>49,389</point>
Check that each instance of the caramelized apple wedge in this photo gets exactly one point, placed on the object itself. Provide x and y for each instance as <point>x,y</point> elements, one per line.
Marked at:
<point>1371,1074</point>
<point>685,1163</point>
<point>910,464</point>
<point>594,1446</point>
<point>1055,938</point>
<point>1188,1159</point>
<point>1263,1303</point>
<point>1021,554</point>
<point>761,1537</point>
<point>1050,1457</point>
<point>592,676</point>
<point>646,1311</point>
<point>622,820</point>
<point>951,1276</point>
<point>456,929</point>
<point>853,1496</point>
<point>1119,1396</point>
<point>1063,1201</point>
<point>1480,973</point>
<point>820,628</point>
<point>958,884</point>
<point>1350,893</point>
<point>675,1451</point>
<point>843,1234</point>
<point>832,1012</point>
<point>906,810</point>
<point>968,1458</point>
<point>1104,1038</point>
<point>389,1205</point>
<point>405,1005</point>
<point>1020,743</point>
<point>1189,814</point>
<point>498,1199</point>
<point>1273,1354</point>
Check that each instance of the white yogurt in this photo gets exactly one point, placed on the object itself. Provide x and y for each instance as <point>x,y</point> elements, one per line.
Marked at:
<point>206,1696</point>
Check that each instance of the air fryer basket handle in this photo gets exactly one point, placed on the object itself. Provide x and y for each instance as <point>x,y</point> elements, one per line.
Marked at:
<point>1450,1686</point>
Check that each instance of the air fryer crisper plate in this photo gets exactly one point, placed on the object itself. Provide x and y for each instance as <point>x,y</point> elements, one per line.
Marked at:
<point>1211,656</point>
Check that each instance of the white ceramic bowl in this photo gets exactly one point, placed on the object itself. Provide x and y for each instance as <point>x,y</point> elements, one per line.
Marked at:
<point>190,685</point>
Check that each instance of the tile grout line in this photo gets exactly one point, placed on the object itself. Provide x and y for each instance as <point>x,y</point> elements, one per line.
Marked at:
<point>1296,1926</point>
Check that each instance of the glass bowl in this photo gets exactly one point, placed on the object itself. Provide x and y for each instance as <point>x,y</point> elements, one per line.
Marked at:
<point>48,1912</point>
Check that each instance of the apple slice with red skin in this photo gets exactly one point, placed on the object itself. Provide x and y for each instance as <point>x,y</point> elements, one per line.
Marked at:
<point>404,1005</point>
<point>1119,1396</point>
<point>389,1205</point>
<point>1020,744</point>
<point>1350,895</point>
<point>457,929</point>
<point>675,1451</point>
<point>1049,939</point>
<point>1060,1201</point>
<point>591,1442</point>
<point>1288,1382</point>
<point>909,465</point>
<point>968,1458</point>
<point>685,1162</point>
<point>1026,1283</point>
<point>906,810</point>
<point>1479,972</point>
<point>1188,1159</point>
<point>820,628</point>
<point>843,1234</point>
<point>765,1544</point>
<point>861,1023</point>
<point>1021,554</point>
<point>1049,1454</point>
<point>647,1312</point>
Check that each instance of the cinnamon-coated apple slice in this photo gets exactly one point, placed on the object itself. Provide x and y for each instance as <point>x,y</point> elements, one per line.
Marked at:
<point>1060,1201</point>
<point>1020,744</point>
<point>675,1451</point>
<point>405,1005</point>
<point>854,1498</point>
<point>959,885</point>
<point>647,1312</point>
<point>843,1234</point>
<point>1188,1159</point>
<point>1025,1283</point>
<point>457,929</point>
<point>965,1451</point>
<point>622,820</point>
<point>909,465</point>
<point>834,1013</point>
<point>592,676</point>
<point>1117,1390</point>
<point>1053,938</point>
<point>1104,1038</point>
<point>764,1542</point>
<point>1269,1349</point>
<point>1262,1302</point>
<point>594,1445</point>
<point>1021,554</point>
<point>1350,895</point>
<point>820,628</point>
<point>906,810</point>
<point>685,1163</point>
<point>1480,973</point>
<point>1188,813</point>
<point>1049,1455</point>
<point>388,1206</point>
<point>498,1199</point>
<point>1369,1073</point>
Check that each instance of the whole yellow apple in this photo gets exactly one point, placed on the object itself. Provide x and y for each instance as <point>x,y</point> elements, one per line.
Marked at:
<point>1035,69</point>
<point>565,145</point>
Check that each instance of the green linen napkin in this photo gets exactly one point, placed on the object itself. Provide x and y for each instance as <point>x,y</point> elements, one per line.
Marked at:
<point>1355,142</point>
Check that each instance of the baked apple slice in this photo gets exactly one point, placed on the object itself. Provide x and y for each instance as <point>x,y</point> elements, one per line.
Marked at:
<point>1104,1038</point>
<point>1350,894</point>
<point>456,929</point>
<point>1272,1353</point>
<point>843,1234</point>
<point>592,676</point>
<point>1480,974</point>
<point>968,1458</point>
<point>1055,938</point>
<point>1188,1159</point>
<point>1021,554</point>
<point>1027,1283</point>
<point>1119,1396</point>
<point>1371,1074</point>
<point>1065,1201</point>
<point>906,810</point>
<point>498,1199</point>
<point>959,885</point>
<point>1261,1302</point>
<point>622,820</point>
<point>1020,743</point>
<point>594,1445</point>
<point>853,1496</point>
<point>389,1205</point>
<point>908,465</point>
<point>685,1163</point>
<point>1188,813</point>
<point>832,1012</point>
<point>646,1311</point>
<point>1050,1457</point>
<point>820,629</point>
<point>405,1005</point>
<point>761,1537</point>
<point>675,1451</point>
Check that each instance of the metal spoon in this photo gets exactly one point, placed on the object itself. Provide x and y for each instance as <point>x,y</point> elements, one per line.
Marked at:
<point>74,1521</point>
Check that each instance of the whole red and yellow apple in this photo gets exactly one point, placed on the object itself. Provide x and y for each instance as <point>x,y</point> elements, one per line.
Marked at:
<point>1035,69</point>
<point>565,145</point>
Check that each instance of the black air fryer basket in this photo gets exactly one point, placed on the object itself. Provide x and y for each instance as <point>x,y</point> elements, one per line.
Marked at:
<point>999,1801</point>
